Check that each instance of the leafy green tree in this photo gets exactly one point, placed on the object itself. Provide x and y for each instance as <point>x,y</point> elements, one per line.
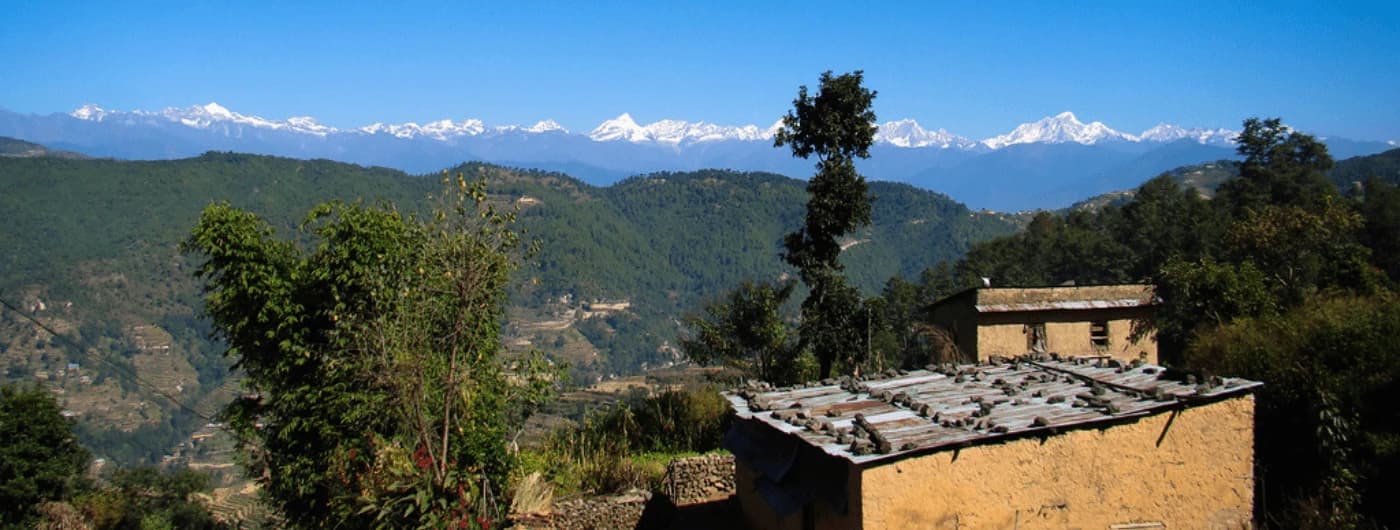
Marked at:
<point>837,126</point>
<point>940,281</point>
<point>1079,247</point>
<point>1204,294</point>
<point>1165,221</point>
<point>40,459</point>
<point>1287,235</point>
<point>746,329</point>
<point>1301,251</point>
<point>374,395</point>
<point>1282,167</point>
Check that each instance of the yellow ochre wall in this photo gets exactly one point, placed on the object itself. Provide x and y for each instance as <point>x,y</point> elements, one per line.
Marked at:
<point>1199,476</point>
<point>1066,333</point>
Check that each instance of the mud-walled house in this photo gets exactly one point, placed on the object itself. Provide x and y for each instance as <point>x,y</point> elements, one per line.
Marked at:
<point>987,322</point>
<point>1035,442</point>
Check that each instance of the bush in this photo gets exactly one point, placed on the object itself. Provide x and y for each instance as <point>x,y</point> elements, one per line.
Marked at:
<point>1329,437</point>
<point>627,445</point>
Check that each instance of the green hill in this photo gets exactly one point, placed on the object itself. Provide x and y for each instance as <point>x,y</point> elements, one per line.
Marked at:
<point>1353,171</point>
<point>12,147</point>
<point>90,247</point>
<point>1205,178</point>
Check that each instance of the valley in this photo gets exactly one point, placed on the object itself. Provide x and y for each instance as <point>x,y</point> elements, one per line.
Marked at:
<point>91,250</point>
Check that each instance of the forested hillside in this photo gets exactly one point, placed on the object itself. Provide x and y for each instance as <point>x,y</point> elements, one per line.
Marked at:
<point>90,248</point>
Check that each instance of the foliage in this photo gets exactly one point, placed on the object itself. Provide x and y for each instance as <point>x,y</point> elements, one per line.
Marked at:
<point>620,446</point>
<point>40,460</point>
<point>1302,250</point>
<point>1329,439</point>
<point>1380,213</point>
<point>375,396</point>
<point>1165,222</point>
<point>1080,248</point>
<point>1281,167</point>
<point>746,329</point>
<point>147,497</point>
<point>1204,294</point>
<point>901,336</point>
<point>837,125</point>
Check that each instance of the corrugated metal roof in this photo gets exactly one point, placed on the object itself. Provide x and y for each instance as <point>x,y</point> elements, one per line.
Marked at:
<point>949,406</point>
<point>1067,304</point>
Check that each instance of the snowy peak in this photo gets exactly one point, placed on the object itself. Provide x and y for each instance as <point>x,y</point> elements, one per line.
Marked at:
<point>437,130</point>
<point>89,112</point>
<point>674,132</point>
<point>206,116</point>
<point>544,126</point>
<point>1163,132</point>
<point>215,115</point>
<point>218,111</point>
<point>622,127</point>
<point>1062,128</point>
<point>908,133</point>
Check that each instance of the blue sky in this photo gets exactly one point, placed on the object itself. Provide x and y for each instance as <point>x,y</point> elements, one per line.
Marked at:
<point>1330,68</point>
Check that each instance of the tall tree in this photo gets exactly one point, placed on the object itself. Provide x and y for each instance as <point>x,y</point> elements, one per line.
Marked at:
<point>1282,167</point>
<point>837,126</point>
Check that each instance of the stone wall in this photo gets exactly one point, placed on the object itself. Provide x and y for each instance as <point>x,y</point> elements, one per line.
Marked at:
<point>688,481</point>
<point>621,511</point>
<point>699,479</point>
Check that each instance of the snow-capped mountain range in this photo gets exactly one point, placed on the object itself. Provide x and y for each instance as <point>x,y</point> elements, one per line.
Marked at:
<point>1047,163</point>
<point>1062,128</point>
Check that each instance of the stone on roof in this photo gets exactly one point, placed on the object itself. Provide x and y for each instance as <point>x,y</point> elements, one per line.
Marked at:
<point>899,414</point>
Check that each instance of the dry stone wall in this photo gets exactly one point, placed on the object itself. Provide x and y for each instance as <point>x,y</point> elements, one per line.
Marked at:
<point>687,481</point>
<point>609,512</point>
<point>699,479</point>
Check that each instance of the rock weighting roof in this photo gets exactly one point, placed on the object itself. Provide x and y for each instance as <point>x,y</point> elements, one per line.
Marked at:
<point>903,413</point>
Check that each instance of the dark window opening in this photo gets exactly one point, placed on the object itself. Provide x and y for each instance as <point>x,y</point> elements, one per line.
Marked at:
<point>1035,338</point>
<point>1098,334</point>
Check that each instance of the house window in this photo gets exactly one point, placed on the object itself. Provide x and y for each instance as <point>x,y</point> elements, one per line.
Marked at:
<point>1035,337</point>
<point>1098,334</point>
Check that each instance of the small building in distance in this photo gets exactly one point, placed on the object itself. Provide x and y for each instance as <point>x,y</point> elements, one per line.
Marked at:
<point>1034,442</point>
<point>1007,321</point>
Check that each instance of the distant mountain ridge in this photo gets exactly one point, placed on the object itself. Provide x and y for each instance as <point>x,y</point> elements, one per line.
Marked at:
<point>1062,128</point>
<point>1048,163</point>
